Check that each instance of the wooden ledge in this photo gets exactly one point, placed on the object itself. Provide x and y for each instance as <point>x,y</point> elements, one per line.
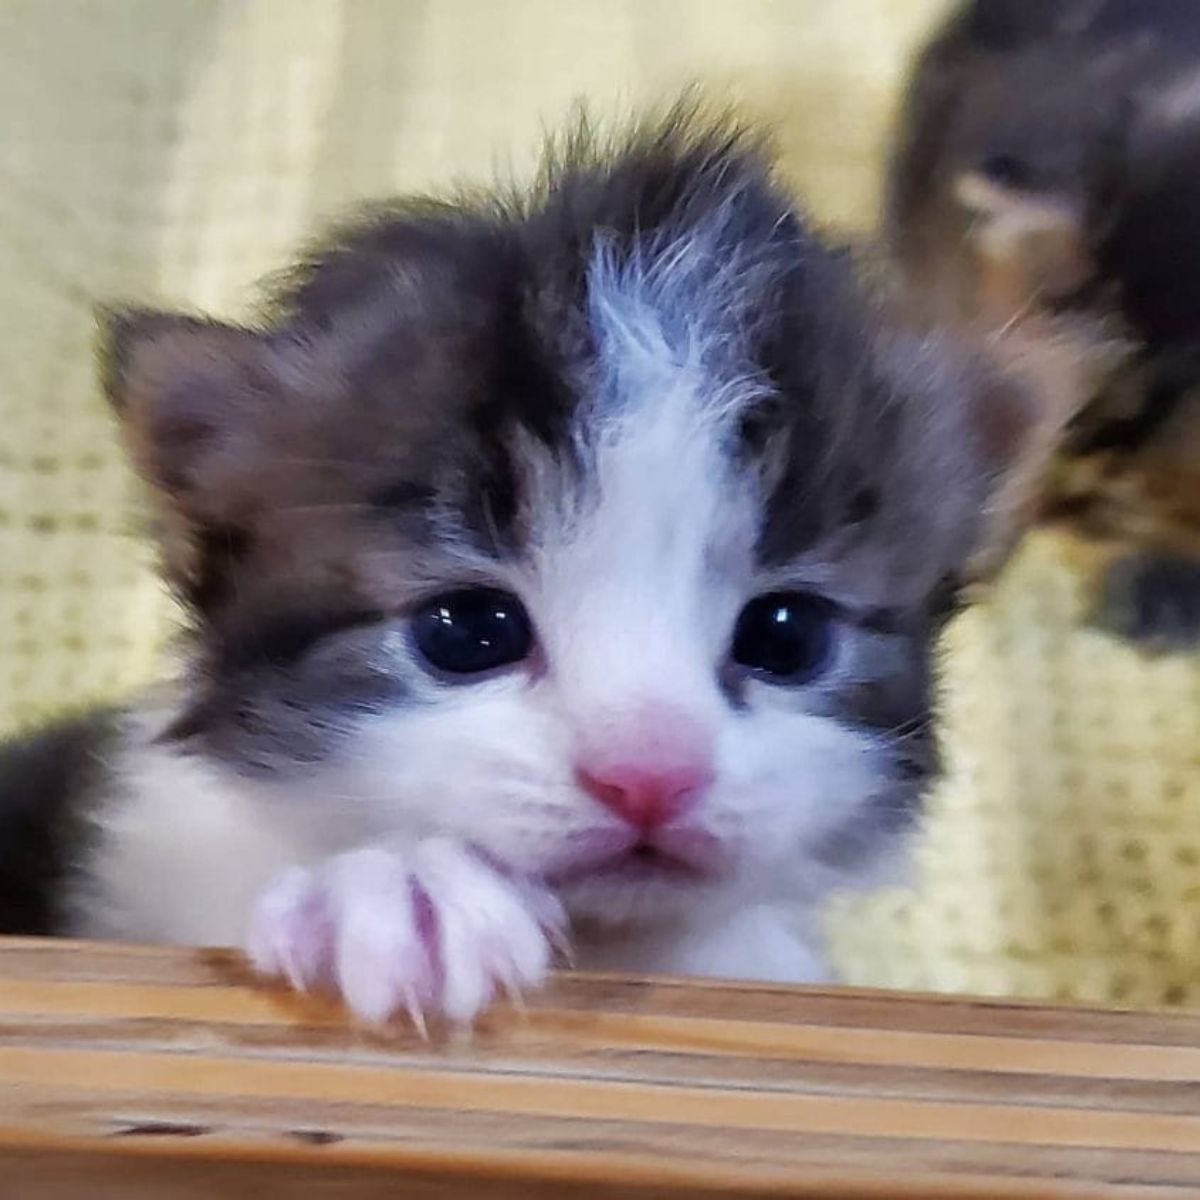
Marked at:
<point>133,1072</point>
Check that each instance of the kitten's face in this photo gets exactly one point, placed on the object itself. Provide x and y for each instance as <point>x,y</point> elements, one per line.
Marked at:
<point>608,535</point>
<point>632,704</point>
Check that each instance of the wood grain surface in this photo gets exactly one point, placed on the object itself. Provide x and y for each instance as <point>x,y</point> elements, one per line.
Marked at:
<point>133,1072</point>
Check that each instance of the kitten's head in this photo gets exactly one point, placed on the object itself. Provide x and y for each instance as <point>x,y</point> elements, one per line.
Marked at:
<point>1016,117</point>
<point>606,528</point>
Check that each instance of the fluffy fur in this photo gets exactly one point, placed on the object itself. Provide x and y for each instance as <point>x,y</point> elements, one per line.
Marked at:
<point>635,398</point>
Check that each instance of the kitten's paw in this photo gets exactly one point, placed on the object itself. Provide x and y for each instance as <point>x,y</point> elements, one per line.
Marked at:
<point>431,929</point>
<point>1152,599</point>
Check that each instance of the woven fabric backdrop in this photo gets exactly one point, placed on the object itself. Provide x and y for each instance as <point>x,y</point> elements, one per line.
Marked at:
<point>176,152</point>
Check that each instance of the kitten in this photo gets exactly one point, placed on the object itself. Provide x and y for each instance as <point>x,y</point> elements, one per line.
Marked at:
<point>1048,160</point>
<point>562,568</point>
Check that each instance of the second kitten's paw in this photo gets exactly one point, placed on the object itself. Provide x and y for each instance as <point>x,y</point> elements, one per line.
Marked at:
<point>430,929</point>
<point>1153,600</point>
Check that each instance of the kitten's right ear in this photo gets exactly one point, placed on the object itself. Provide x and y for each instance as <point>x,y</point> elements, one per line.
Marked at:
<point>1034,378</point>
<point>1029,247</point>
<point>194,398</point>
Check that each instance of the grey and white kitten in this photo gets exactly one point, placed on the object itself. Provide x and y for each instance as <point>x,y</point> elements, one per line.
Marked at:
<point>561,567</point>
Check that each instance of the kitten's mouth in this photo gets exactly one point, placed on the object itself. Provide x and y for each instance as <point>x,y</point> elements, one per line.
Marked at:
<point>646,856</point>
<point>642,862</point>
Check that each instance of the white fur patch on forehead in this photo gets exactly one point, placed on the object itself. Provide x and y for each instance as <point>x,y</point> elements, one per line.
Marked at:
<point>643,558</point>
<point>671,317</point>
<point>669,380</point>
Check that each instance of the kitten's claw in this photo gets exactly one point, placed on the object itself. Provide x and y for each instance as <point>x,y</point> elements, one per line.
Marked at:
<point>428,930</point>
<point>291,930</point>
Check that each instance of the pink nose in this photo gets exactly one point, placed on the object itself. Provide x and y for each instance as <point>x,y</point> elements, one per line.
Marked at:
<point>651,774</point>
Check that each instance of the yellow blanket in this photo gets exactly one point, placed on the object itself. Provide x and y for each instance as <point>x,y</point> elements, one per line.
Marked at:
<point>174,152</point>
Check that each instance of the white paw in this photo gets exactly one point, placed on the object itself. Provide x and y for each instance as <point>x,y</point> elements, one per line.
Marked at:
<point>428,929</point>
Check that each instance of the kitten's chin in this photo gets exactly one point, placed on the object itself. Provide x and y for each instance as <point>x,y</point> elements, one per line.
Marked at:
<point>640,891</point>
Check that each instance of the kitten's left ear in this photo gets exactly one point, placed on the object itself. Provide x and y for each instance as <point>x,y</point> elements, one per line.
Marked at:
<point>196,400</point>
<point>193,396</point>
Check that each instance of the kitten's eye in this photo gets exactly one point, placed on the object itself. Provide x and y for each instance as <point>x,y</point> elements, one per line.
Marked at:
<point>1007,170</point>
<point>472,630</point>
<point>786,636</point>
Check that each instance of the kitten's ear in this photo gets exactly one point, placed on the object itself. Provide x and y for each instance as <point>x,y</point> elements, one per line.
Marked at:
<point>1029,247</point>
<point>192,396</point>
<point>1034,378</point>
<point>194,399</point>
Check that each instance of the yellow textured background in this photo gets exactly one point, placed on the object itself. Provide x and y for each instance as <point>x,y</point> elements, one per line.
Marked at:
<point>176,151</point>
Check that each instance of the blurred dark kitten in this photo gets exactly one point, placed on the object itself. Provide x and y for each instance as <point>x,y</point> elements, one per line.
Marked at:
<point>1048,162</point>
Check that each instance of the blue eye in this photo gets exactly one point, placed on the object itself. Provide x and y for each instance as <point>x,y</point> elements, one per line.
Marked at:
<point>786,637</point>
<point>472,630</point>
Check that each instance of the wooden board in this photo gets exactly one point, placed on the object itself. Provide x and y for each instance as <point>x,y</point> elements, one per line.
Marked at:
<point>134,1072</point>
